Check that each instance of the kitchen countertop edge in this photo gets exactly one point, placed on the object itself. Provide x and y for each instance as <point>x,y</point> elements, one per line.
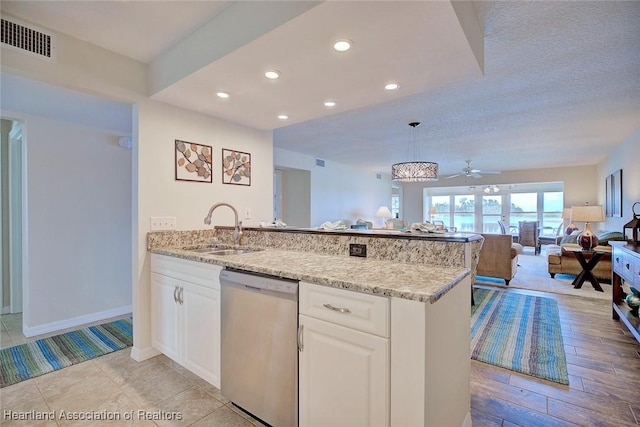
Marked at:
<point>304,271</point>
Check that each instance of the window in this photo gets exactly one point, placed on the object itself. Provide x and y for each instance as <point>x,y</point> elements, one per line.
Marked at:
<point>470,209</point>
<point>395,202</point>
<point>443,209</point>
<point>464,212</point>
<point>552,203</point>
<point>524,207</point>
<point>491,214</point>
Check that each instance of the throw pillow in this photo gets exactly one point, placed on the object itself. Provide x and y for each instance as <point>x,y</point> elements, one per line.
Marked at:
<point>571,238</point>
<point>609,236</point>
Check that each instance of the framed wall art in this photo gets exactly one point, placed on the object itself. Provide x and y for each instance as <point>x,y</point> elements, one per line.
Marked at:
<point>194,162</point>
<point>616,192</point>
<point>608,204</point>
<point>236,167</point>
<point>613,194</point>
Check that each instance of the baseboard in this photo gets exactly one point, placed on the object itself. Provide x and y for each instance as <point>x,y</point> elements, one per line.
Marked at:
<point>75,322</point>
<point>6,310</point>
<point>140,354</point>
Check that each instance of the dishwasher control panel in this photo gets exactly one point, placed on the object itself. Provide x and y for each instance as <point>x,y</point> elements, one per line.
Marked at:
<point>259,281</point>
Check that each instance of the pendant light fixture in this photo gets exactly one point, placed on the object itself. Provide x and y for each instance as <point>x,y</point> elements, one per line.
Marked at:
<point>416,171</point>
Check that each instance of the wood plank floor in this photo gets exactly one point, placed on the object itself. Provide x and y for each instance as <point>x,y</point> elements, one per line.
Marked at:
<point>603,361</point>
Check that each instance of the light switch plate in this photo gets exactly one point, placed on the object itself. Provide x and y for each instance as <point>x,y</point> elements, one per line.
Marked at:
<point>247,213</point>
<point>160,223</point>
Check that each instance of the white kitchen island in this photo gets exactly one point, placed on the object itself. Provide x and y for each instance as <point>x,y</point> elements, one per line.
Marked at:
<point>403,362</point>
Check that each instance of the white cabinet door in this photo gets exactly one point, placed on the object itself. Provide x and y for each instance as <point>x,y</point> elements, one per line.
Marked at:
<point>200,332</point>
<point>165,315</point>
<point>185,314</point>
<point>343,376</point>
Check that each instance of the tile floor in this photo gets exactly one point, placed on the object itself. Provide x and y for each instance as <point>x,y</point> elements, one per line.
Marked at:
<point>116,384</point>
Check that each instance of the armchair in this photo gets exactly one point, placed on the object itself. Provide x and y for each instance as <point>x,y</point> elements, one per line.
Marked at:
<point>498,257</point>
<point>551,240</point>
<point>528,232</point>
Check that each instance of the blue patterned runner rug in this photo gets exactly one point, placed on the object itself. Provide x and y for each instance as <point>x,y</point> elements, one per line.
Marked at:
<point>518,332</point>
<point>24,361</point>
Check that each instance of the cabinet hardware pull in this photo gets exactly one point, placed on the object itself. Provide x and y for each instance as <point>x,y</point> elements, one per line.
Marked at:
<point>341,310</point>
<point>175,293</point>
<point>300,343</point>
<point>627,265</point>
<point>180,295</point>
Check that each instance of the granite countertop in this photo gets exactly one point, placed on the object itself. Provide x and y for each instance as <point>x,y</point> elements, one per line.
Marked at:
<point>377,232</point>
<point>418,282</point>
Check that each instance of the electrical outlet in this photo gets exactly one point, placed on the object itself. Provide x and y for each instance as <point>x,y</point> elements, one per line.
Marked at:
<point>159,223</point>
<point>356,249</point>
<point>247,213</point>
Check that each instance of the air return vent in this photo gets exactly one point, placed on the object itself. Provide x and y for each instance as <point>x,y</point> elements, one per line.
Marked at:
<point>28,39</point>
<point>320,162</point>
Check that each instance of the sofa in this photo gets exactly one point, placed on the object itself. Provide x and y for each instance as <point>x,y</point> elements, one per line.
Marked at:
<point>498,257</point>
<point>564,262</point>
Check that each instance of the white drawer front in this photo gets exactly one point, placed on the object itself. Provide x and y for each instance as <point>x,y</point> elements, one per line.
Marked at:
<point>363,312</point>
<point>199,273</point>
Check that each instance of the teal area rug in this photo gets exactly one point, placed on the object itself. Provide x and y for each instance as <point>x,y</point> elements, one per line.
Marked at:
<point>45,355</point>
<point>518,332</point>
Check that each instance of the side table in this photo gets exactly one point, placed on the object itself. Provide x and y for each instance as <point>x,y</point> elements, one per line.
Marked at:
<point>587,265</point>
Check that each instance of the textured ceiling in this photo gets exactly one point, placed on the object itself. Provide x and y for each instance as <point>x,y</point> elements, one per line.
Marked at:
<point>559,77</point>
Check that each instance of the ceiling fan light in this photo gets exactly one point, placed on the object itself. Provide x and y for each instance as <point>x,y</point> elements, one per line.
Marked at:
<point>414,171</point>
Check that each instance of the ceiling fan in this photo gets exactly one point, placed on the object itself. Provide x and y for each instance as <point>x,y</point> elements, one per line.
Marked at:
<point>468,171</point>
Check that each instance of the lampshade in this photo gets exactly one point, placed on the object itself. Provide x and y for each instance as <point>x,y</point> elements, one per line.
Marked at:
<point>415,171</point>
<point>566,213</point>
<point>587,213</point>
<point>432,210</point>
<point>383,212</point>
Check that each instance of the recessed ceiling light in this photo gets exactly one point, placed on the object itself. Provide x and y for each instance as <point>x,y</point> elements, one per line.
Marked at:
<point>283,117</point>
<point>272,74</point>
<point>329,103</point>
<point>391,86</point>
<point>223,95</point>
<point>342,45</point>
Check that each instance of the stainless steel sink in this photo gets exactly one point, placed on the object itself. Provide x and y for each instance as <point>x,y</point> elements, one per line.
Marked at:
<point>207,250</point>
<point>233,251</point>
<point>216,250</point>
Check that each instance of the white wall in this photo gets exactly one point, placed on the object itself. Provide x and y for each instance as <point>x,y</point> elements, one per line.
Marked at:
<point>339,191</point>
<point>77,245</point>
<point>156,127</point>
<point>626,157</point>
<point>581,184</point>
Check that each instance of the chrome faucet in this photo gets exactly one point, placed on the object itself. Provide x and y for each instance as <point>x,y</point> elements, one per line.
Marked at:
<point>237,231</point>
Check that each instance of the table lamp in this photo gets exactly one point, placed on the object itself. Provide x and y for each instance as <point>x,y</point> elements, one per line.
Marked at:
<point>384,213</point>
<point>587,214</point>
<point>432,212</point>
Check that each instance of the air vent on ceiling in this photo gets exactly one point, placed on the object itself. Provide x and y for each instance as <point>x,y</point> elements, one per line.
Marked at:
<point>320,162</point>
<point>28,39</point>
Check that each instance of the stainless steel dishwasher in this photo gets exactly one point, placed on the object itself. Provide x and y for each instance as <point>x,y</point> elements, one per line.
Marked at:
<point>259,361</point>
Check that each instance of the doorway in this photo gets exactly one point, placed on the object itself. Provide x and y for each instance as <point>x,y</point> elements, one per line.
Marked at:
<point>11,215</point>
<point>292,196</point>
